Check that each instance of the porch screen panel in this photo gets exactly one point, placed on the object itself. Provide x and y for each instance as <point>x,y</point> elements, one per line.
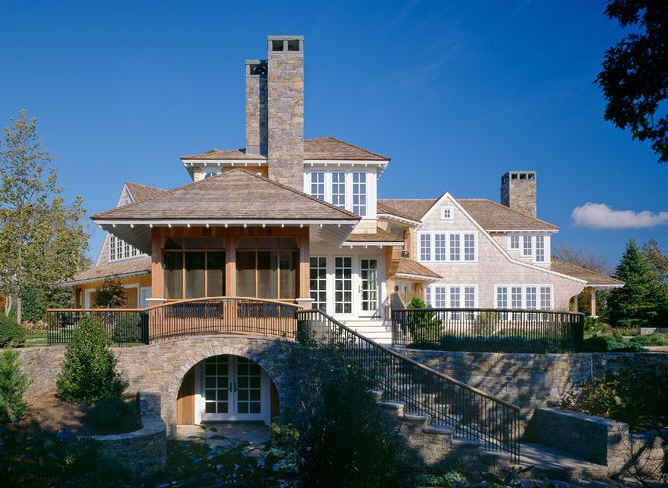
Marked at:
<point>215,274</point>
<point>173,275</point>
<point>266,275</point>
<point>287,262</point>
<point>194,274</point>
<point>246,274</point>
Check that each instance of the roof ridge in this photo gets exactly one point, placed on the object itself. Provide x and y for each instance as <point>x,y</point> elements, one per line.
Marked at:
<point>512,210</point>
<point>352,145</point>
<point>219,175</point>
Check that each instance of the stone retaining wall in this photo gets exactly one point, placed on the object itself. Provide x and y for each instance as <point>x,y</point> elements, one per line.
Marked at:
<point>160,368</point>
<point>531,380</point>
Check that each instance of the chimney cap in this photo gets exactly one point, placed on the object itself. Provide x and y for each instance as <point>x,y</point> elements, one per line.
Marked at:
<point>254,61</point>
<point>284,38</point>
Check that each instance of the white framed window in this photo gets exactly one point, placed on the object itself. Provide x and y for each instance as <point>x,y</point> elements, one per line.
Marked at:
<point>469,247</point>
<point>428,296</point>
<point>454,247</point>
<point>526,250</point>
<point>531,297</point>
<point>119,249</point>
<point>501,297</point>
<point>425,247</point>
<point>469,297</point>
<point>455,300</point>
<point>439,293</point>
<point>209,174</point>
<point>339,189</point>
<point>516,297</point>
<point>540,249</point>
<point>514,241</point>
<point>439,247</point>
<point>447,213</point>
<point>318,184</point>
<point>318,282</point>
<point>343,281</point>
<point>359,194</point>
<point>546,297</point>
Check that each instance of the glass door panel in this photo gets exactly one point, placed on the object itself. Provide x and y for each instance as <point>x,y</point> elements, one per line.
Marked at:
<point>215,274</point>
<point>194,274</point>
<point>217,387</point>
<point>343,281</point>
<point>249,387</point>
<point>369,285</point>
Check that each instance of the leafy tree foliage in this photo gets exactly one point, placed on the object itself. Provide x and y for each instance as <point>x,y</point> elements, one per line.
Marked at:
<point>640,302</point>
<point>657,258</point>
<point>13,384</point>
<point>41,237</point>
<point>89,373</point>
<point>110,295</point>
<point>11,333</point>
<point>635,72</point>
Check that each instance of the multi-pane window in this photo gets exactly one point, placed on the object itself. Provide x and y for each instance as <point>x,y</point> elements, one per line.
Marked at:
<point>194,274</point>
<point>425,247</point>
<point>343,285</point>
<point>531,297</point>
<point>439,293</point>
<point>439,247</point>
<point>359,194</point>
<point>339,189</point>
<point>455,300</point>
<point>540,248</point>
<point>545,298</point>
<point>119,249</point>
<point>469,247</point>
<point>454,247</point>
<point>527,246</point>
<point>428,296</point>
<point>469,296</point>
<point>318,185</point>
<point>501,297</point>
<point>514,241</point>
<point>318,271</point>
<point>516,297</point>
<point>447,213</point>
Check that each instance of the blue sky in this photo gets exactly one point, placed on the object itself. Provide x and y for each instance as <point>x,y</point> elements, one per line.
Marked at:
<point>456,93</point>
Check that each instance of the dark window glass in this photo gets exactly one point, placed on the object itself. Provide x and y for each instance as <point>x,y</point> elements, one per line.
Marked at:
<point>277,45</point>
<point>215,274</point>
<point>267,281</point>
<point>194,274</point>
<point>288,273</point>
<point>246,273</point>
<point>173,275</point>
<point>293,45</point>
<point>173,243</point>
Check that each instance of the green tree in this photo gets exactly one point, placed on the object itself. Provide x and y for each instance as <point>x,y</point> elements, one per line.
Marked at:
<point>89,373</point>
<point>13,384</point>
<point>657,258</point>
<point>41,236</point>
<point>110,295</point>
<point>635,72</point>
<point>639,302</point>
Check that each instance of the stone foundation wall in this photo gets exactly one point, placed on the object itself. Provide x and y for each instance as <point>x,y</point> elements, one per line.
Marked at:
<point>531,380</point>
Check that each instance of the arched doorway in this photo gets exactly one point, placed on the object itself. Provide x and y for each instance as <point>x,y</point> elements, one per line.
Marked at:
<point>226,388</point>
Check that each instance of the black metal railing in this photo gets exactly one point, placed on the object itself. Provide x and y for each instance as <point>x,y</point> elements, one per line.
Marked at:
<point>470,413</point>
<point>123,326</point>
<point>222,315</point>
<point>487,329</point>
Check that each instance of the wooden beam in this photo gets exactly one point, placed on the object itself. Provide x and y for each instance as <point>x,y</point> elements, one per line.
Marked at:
<point>157,274</point>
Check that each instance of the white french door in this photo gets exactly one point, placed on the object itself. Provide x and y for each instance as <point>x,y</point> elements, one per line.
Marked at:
<point>233,388</point>
<point>368,286</point>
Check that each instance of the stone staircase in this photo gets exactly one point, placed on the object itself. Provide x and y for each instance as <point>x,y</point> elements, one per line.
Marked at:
<point>377,330</point>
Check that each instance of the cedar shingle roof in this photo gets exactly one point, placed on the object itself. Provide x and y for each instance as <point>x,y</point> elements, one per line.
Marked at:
<point>141,193</point>
<point>410,267</point>
<point>129,267</point>
<point>592,277</point>
<point>379,236</point>
<point>234,194</point>
<point>319,148</point>
<point>490,215</point>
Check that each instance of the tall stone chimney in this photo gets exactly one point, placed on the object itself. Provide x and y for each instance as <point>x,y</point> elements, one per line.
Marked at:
<point>518,191</point>
<point>256,106</point>
<point>285,107</point>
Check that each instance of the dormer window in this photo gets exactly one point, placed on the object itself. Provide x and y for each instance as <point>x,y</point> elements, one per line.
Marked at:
<point>119,249</point>
<point>447,213</point>
<point>209,174</point>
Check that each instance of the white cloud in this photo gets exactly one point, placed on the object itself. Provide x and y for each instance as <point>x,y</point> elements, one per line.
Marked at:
<point>600,216</point>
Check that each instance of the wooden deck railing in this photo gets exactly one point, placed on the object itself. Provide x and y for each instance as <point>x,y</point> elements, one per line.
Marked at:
<point>198,316</point>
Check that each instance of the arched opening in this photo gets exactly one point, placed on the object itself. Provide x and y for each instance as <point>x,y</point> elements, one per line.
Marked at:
<point>226,388</point>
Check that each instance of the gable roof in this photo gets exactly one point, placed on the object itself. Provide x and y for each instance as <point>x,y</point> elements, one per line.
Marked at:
<point>141,193</point>
<point>234,194</point>
<point>379,236</point>
<point>121,269</point>
<point>325,148</point>
<point>413,268</point>
<point>593,278</point>
<point>490,215</point>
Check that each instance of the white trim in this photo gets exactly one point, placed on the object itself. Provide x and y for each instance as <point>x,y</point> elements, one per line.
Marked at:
<point>223,162</point>
<point>416,277</point>
<point>451,210</point>
<point>372,243</point>
<point>524,286</point>
<point>398,219</point>
<point>447,247</point>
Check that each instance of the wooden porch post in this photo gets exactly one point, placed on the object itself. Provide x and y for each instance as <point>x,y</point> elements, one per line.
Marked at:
<point>231,265</point>
<point>304,296</point>
<point>157,274</point>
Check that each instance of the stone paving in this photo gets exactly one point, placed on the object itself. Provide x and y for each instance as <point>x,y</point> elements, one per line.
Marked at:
<point>221,434</point>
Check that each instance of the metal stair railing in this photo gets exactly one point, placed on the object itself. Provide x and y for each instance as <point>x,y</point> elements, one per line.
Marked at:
<point>472,414</point>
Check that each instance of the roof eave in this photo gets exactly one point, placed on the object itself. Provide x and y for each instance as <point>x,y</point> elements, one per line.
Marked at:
<point>102,278</point>
<point>411,276</point>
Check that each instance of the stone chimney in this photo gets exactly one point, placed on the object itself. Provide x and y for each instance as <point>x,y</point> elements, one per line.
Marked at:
<point>256,106</point>
<point>518,191</point>
<point>285,108</point>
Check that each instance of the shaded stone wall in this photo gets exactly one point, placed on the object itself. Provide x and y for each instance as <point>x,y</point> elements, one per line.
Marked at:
<point>160,368</point>
<point>531,380</point>
<point>256,107</point>
<point>520,193</point>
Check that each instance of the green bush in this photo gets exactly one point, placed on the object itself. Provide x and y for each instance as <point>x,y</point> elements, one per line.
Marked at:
<point>11,332</point>
<point>113,415</point>
<point>608,343</point>
<point>592,325</point>
<point>424,326</point>
<point>89,373</point>
<point>13,384</point>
